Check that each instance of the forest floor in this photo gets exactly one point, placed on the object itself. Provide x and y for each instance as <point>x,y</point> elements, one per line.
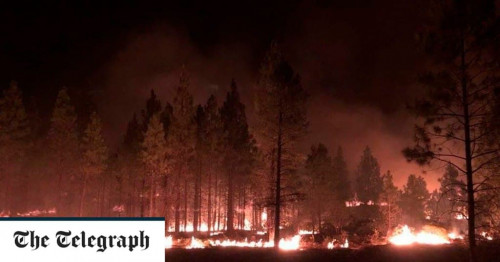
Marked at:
<point>420,253</point>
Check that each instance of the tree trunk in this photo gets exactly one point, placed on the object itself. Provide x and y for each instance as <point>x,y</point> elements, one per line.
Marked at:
<point>197,195</point>
<point>177,201</point>
<point>468,159</point>
<point>151,195</point>
<point>185,204</point>
<point>82,196</point>
<point>143,185</point>
<point>209,204</point>
<point>230,207</point>
<point>278,185</point>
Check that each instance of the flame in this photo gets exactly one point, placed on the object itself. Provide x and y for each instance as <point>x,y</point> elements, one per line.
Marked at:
<point>485,235</point>
<point>37,212</point>
<point>263,216</point>
<point>305,232</point>
<point>284,244</point>
<point>454,236</point>
<point>195,243</point>
<point>168,242</point>
<point>234,243</point>
<point>331,245</point>
<point>406,237</point>
<point>290,244</point>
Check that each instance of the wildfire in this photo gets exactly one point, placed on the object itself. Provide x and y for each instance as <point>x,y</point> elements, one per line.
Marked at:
<point>168,242</point>
<point>405,236</point>
<point>455,236</point>
<point>305,232</point>
<point>234,243</point>
<point>284,244</point>
<point>195,243</point>
<point>290,244</point>
<point>485,235</point>
<point>37,212</point>
<point>331,245</point>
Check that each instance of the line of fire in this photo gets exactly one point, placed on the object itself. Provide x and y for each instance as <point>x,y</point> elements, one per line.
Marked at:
<point>385,133</point>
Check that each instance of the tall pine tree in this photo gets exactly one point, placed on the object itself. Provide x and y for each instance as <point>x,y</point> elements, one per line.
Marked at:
<point>368,180</point>
<point>238,147</point>
<point>281,109</point>
<point>154,157</point>
<point>14,143</point>
<point>181,140</point>
<point>63,144</point>
<point>94,156</point>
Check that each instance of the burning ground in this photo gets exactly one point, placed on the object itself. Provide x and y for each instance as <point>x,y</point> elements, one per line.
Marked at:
<point>421,253</point>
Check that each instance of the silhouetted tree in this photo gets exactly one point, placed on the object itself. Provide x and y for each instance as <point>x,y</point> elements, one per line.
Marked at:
<point>461,39</point>
<point>63,143</point>
<point>319,184</point>
<point>154,156</point>
<point>94,156</point>
<point>341,174</point>
<point>14,143</point>
<point>413,199</point>
<point>389,200</point>
<point>368,180</point>
<point>238,147</point>
<point>281,108</point>
<point>181,143</point>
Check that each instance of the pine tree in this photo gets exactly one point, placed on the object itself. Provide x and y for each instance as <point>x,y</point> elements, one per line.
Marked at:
<point>94,156</point>
<point>200,141</point>
<point>281,107</point>
<point>320,184</point>
<point>212,151</point>
<point>413,199</point>
<point>153,107</point>
<point>63,143</point>
<point>389,200</point>
<point>368,180</point>
<point>341,174</point>
<point>14,143</point>
<point>133,136</point>
<point>452,194</point>
<point>238,148</point>
<point>461,39</point>
<point>154,157</point>
<point>181,141</point>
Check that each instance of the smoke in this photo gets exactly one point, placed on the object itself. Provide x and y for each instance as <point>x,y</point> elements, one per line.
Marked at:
<point>359,77</point>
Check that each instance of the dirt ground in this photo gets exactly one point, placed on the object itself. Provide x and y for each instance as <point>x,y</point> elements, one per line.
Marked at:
<point>446,253</point>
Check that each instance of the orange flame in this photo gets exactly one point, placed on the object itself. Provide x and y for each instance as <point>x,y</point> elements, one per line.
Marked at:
<point>405,236</point>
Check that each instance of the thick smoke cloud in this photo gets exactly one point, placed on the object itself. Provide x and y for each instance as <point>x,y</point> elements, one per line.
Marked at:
<point>359,79</point>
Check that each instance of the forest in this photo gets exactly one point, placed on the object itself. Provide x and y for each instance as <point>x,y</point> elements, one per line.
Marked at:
<point>205,169</point>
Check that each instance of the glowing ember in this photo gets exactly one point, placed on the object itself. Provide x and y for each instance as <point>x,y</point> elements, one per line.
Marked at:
<point>404,236</point>
<point>35,213</point>
<point>168,242</point>
<point>195,243</point>
<point>119,208</point>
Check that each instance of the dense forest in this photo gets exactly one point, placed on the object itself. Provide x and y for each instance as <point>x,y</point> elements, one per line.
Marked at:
<point>203,168</point>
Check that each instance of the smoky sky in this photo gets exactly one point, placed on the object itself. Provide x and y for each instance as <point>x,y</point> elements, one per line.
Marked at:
<point>358,60</point>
